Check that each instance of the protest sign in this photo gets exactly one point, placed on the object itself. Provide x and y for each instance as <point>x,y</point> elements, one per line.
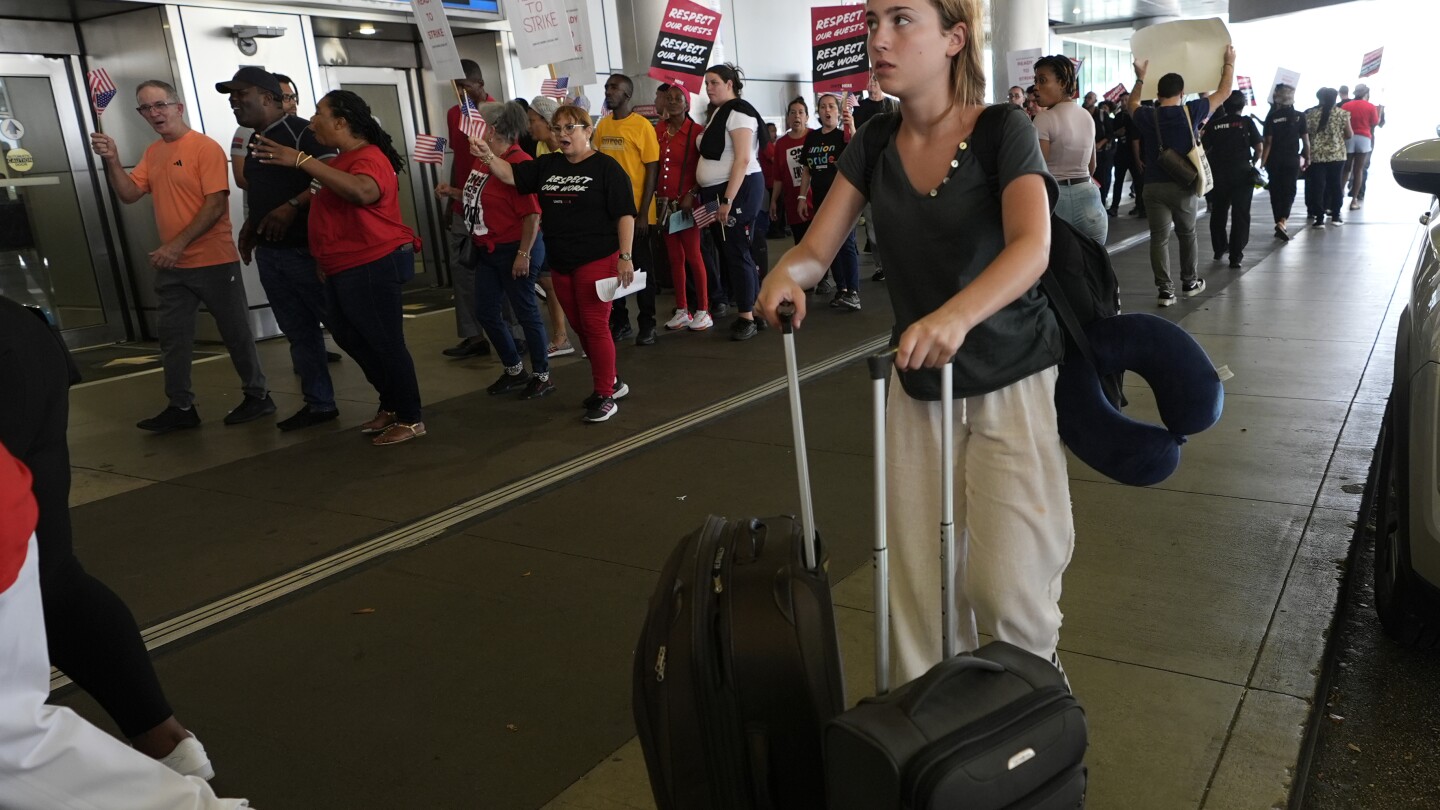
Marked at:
<point>838,45</point>
<point>1195,49</point>
<point>439,43</point>
<point>682,51</point>
<point>583,63</point>
<point>1370,65</point>
<point>1285,76</point>
<point>1022,66</point>
<point>542,31</point>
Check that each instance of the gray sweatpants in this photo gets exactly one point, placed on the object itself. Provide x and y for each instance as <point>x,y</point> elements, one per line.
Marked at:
<point>462,278</point>
<point>222,290</point>
<point>1165,203</point>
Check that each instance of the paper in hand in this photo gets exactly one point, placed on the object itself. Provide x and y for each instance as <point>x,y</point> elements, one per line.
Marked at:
<point>680,220</point>
<point>609,288</point>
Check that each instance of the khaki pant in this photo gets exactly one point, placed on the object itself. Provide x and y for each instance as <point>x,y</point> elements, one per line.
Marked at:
<point>1014,532</point>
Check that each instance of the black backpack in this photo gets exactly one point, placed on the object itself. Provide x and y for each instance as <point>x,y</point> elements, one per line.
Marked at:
<point>1079,282</point>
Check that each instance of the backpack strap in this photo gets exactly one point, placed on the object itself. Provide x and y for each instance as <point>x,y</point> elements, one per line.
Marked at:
<point>985,144</point>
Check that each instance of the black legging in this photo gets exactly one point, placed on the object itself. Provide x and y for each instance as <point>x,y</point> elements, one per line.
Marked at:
<point>92,635</point>
<point>1283,177</point>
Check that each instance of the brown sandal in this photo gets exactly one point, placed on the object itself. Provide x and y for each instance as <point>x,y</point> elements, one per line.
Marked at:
<point>399,432</point>
<point>383,419</point>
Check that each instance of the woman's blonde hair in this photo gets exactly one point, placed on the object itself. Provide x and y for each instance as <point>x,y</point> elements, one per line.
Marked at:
<point>967,68</point>
<point>575,114</point>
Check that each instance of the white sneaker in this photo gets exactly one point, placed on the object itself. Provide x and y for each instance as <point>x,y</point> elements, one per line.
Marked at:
<point>701,321</point>
<point>680,321</point>
<point>189,759</point>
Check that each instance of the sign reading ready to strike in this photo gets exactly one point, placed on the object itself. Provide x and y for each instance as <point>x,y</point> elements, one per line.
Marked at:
<point>682,52</point>
<point>841,62</point>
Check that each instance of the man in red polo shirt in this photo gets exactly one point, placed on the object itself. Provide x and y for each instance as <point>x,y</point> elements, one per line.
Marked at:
<point>462,260</point>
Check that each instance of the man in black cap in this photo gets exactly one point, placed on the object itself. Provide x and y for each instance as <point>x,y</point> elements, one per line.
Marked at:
<point>275,232</point>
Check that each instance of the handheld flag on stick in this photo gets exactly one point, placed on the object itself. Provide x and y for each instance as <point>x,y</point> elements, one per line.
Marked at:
<point>1370,65</point>
<point>555,87</point>
<point>429,149</point>
<point>707,214</point>
<point>102,90</point>
<point>470,121</point>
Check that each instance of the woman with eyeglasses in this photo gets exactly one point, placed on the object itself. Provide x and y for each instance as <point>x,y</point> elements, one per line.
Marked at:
<point>587,207</point>
<point>365,251</point>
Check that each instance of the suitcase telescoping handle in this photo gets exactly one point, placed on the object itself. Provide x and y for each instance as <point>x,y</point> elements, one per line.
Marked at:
<point>880,366</point>
<point>786,313</point>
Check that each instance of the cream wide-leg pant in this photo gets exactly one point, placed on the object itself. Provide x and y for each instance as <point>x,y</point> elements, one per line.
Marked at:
<point>1013,528</point>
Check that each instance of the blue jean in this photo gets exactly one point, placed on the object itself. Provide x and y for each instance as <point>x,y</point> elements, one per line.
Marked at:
<point>365,316</point>
<point>297,297</point>
<point>846,266</point>
<point>494,282</point>
<point>735,246</point>
<point>1082,205</point>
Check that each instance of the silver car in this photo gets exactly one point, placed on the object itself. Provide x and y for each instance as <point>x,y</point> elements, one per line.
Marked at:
<point>1405,484</point>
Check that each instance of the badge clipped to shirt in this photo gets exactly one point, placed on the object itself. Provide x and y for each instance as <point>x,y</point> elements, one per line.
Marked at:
<point>680,220</point>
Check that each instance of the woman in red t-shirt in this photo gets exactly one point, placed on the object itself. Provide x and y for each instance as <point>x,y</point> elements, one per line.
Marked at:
<point>675,191</point>
<point>365,252</point>
<point>505,227</point>
<point>788,168</point>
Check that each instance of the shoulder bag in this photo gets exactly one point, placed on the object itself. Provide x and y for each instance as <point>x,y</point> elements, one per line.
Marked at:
<point>1191,170</point>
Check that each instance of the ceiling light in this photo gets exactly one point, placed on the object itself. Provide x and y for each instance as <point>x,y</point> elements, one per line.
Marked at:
<point>366,30</point>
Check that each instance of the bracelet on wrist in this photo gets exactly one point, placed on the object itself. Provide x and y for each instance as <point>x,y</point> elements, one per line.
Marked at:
<point>522,254</point>
<point>300,158</point>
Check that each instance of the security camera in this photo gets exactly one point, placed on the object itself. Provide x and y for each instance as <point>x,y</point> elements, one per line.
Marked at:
<point>245,36</point>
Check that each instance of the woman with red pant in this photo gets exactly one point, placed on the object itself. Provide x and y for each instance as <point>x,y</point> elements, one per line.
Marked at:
<point>587,209</point>
<point>675,191</point>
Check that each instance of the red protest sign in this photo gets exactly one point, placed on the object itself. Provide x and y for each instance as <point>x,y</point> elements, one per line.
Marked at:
<point>682,51</point>
<point>1370,65</point>
<point>841,62</point>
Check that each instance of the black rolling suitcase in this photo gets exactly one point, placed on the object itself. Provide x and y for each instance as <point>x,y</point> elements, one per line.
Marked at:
<point>997,728</point>
<point>738,666</point>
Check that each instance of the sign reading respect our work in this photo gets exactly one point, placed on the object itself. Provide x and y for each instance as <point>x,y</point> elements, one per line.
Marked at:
<point>841,61</point>
<point>682,51</point>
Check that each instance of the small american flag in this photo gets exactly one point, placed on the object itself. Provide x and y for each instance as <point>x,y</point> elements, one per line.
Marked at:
<point>555,88</point>
<point>1370,65</point>
<point>851,102</point>
<point>429,149</point>
<point>707,214</point>
<point>1242,83</point>
<point>470,121</point>
<point>1113,94</point>
<point>102,90</point>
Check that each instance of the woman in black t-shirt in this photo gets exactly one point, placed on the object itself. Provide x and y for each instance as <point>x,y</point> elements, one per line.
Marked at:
<point>1284,154</point>
<point>587,208</point>
<point>962,266</point>
<point>819,158</point>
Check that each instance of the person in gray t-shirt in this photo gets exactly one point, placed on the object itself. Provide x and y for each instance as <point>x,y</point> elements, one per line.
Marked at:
<point>963,252</point>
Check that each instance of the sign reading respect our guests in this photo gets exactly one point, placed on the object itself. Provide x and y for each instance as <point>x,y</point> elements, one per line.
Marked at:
<point>682,51</point>
<point>841,61</point>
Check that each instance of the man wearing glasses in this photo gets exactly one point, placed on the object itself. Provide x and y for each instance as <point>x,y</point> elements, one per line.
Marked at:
<point>196,262</point>
<point>275,233</point>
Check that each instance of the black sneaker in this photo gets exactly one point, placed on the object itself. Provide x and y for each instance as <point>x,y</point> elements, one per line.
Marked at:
<point>1282,234</point>
<point>1113,210</point>
<point>171,419</point>
<point>332,357</point>
<point>743,329</point>
<point>621,390</point>
<point>1219,254</point>
<point>1336,220</point>
<point>508,382</point>
<point>1165,298</point>
<point>604,409</point>
<point>878,275</point>
<point>835,301</point>
<point>1235,260</point>
<point>761,324</point>
<point>469,347</point>
<point>719,310</point>
<point>537,388</point>
<point>622,332</point>
<point>306,417</point>
<point>251,408</point>
<point>646,337</point>
<point>1195,287</point>
<point>1318,223</point>
<point>850,300</point>
<point>826,286</point>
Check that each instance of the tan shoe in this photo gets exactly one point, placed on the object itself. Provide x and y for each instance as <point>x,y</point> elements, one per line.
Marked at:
<point>383,419</point>
<point>399,432</point>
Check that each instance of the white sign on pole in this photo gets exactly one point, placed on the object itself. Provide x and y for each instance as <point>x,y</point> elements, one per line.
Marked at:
<point>439,43</point>
<point>1022,66</point>
<point>542,31</point>
<point>1195,49</point>
<point>583,65</point>
<point>1285,76</point>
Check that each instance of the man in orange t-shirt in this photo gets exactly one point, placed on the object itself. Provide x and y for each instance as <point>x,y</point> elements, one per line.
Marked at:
<point>187,175</point>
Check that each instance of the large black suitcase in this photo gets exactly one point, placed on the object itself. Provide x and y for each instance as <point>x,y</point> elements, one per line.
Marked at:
<point>738,665</point>
<point>993,729</point>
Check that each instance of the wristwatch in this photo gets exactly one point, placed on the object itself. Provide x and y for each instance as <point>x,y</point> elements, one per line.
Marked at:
<point>624,257</point>
<point>293,202</point>
<point>724,200</point>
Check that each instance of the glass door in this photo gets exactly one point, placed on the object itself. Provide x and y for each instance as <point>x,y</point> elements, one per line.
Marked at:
<point>53,248</point>
<point>389,93</point>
